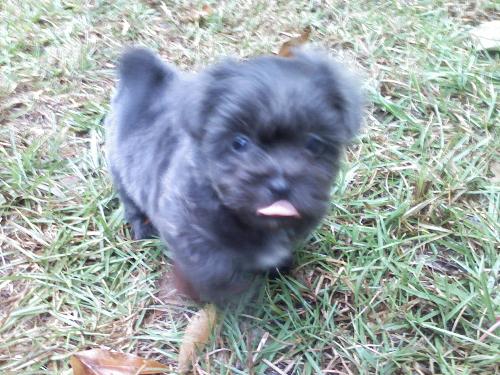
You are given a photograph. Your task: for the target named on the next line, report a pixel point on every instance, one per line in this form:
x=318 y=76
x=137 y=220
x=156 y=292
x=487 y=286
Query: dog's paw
x=143 y=229
x=276 y=272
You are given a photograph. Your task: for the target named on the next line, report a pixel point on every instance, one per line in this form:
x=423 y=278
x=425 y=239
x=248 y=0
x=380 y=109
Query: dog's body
x=232 y=166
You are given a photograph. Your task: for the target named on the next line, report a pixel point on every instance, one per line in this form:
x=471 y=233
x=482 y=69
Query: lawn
x=401 y=278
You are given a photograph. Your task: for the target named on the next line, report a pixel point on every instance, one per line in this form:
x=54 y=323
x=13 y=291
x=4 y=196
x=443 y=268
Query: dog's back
x=138 y=145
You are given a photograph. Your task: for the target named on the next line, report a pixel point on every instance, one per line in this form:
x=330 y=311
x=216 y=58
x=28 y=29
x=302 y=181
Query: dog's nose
x=279 y=186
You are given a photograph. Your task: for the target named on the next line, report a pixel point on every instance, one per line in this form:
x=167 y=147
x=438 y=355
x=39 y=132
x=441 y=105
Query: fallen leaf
x=207 y=10
x=196 y=337
x=487 y=35
x=105 y=362
x=287 y=47
x=198 y=15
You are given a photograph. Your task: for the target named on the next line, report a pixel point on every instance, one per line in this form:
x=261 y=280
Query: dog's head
x=271 y=131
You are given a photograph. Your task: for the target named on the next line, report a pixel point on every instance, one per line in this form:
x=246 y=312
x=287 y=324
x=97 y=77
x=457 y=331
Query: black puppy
x=232 y=166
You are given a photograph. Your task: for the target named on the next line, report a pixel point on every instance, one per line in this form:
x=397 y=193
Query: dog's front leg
x=210 y=273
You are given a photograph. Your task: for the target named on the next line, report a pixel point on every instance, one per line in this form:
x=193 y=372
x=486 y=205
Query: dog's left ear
x=342 y=89
x=207 y=89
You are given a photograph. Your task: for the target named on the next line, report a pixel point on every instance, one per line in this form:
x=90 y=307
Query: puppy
x=231 y=167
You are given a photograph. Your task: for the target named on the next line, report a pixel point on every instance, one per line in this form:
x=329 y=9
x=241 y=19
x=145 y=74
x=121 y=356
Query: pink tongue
x=281 y=208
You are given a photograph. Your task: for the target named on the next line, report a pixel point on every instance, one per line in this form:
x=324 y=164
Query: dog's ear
x=207 y=90
x=140 y=71
x=143 y=78
x=342 y=90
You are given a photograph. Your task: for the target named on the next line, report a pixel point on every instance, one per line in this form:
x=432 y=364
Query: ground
x=401 y=278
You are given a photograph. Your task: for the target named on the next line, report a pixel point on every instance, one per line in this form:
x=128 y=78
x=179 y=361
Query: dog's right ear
x=142 y=77
x=207 y=90
x=141 y=70
x=143 y=80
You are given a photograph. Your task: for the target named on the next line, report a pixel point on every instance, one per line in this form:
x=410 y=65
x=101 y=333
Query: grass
x=401 y=278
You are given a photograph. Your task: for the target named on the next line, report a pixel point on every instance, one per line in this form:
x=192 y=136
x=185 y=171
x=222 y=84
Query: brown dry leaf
x=105 y=362
x=487 y=35
x=198 y=15
x=286 y=48
x=196 y=337
x=207 y=10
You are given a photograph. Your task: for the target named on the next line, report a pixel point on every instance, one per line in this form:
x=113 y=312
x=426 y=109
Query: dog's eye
x=240 y=143
x=315 y=145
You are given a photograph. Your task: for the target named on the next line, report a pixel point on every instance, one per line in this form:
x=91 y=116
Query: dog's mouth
x=281 y=208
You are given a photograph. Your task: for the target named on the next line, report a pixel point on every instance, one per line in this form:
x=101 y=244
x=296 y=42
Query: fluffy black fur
x=193 y=157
